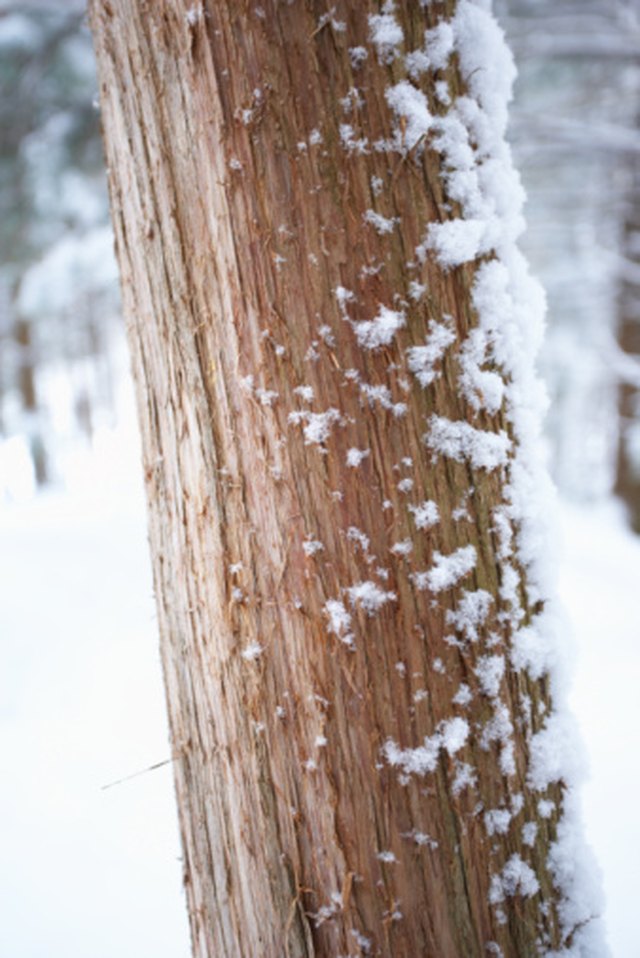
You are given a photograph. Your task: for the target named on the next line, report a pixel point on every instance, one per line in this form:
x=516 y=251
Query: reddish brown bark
x=233 y=231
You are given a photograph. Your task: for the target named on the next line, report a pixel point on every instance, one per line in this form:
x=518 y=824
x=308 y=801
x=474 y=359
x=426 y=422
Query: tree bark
x=26 y=382
x=341 y=755
x=627 y=484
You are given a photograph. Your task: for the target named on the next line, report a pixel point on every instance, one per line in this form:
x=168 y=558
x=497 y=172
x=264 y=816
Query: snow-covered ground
x=86 y=872
x=92 y=873
x=600 y=586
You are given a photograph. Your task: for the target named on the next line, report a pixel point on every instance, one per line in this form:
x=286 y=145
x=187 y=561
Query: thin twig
x=143 y=771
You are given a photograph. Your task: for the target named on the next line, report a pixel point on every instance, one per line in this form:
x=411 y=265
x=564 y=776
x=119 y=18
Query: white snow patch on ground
x=82 y=706
x=599 y=587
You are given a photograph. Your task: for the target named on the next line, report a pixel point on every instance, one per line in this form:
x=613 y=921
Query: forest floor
x=82 y=706
x=600 y=588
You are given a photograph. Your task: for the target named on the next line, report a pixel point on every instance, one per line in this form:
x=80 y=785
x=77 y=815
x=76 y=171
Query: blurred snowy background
x=93 y=873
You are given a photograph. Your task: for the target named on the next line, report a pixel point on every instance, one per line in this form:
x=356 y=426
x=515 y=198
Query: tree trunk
x=334 y=477
x=627 y=483
x=26 y=376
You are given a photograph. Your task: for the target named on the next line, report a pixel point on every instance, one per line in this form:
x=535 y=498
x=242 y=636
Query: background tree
x=575 y=137
x=332 y=334
x=628 y=465
x=58 y=297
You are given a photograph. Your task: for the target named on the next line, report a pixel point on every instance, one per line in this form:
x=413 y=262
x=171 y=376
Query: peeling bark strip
x=332 y=339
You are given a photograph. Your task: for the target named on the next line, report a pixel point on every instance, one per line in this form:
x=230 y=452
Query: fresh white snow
x=379 y=331
x=599 y=586
x=86 y=871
